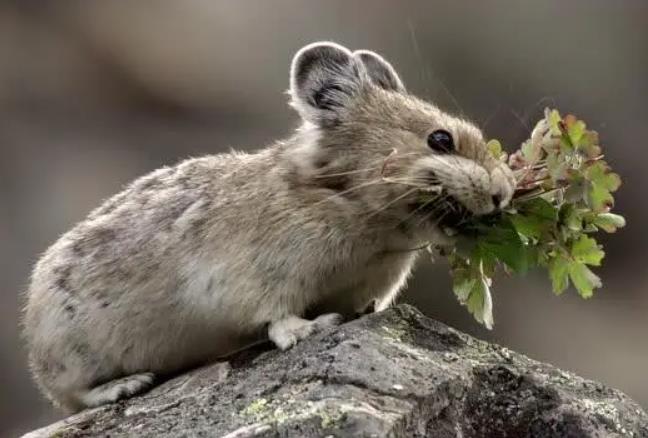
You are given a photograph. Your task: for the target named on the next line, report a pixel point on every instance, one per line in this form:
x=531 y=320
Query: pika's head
x=367 y=140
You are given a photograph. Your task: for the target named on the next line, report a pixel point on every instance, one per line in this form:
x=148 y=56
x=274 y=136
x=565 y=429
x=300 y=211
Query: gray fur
x=380 y=71
x=194 y=261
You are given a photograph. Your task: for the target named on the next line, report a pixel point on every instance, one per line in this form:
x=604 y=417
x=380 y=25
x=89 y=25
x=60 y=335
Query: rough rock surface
x=390 y=374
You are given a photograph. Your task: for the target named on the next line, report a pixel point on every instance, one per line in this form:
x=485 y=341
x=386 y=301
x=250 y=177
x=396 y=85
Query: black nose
x=497 y=200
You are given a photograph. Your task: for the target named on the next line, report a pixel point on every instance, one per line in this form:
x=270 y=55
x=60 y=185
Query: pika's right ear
x=323 y=79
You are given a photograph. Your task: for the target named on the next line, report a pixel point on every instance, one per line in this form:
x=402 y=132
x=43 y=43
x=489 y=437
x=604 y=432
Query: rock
x=389 y=374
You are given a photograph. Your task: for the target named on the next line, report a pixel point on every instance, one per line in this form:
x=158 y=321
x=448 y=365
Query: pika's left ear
x=380 y=71
x=324 y=79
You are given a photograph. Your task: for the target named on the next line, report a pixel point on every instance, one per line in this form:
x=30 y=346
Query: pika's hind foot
x=286 y=332
x=116 y=390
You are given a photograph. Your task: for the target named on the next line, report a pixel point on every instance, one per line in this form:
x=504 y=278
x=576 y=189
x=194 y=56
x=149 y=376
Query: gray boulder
x=391 y=374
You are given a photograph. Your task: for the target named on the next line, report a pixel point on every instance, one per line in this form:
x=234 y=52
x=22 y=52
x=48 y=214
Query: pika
x=192 y=262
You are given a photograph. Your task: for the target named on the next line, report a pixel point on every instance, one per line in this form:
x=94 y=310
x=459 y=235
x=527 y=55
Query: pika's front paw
x=327 y=321
x=286 y=332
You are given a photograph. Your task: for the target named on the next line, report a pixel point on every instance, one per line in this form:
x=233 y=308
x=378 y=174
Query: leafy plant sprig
x=563 y=195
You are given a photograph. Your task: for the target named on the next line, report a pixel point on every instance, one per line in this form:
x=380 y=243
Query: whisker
x=548 y=100
x=431 y=214
x=367 y=169
x=392 y=202
x=520 y=119
x=423 y=184
x=359 y=186
x=490 y=117
x=350 y=172
x=421 y=207
x=428 y=68
x=440 y=207
x=441 y=218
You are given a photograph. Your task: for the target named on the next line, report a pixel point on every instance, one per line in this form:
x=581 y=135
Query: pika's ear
x=380 y=71
x=324 y=77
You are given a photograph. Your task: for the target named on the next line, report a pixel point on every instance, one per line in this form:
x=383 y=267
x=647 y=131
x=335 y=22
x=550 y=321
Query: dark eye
x=441 y=141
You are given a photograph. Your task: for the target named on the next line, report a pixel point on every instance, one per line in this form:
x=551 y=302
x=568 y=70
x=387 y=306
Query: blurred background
x=94 y=94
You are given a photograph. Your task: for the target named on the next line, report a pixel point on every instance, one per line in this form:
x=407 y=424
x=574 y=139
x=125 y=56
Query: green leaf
x=589 y=145
x=575 y=129
x=533 y=217
x=577 y=190
x=584 y=279
x=463 y=283
x=609 y=222
x=558 y=167
x=586 y=250
x=602 y=183
x=554 y=119
x=572 y=217
x=480 y=303
x=531 y=151
x=558 y=274
x=539 y=208
x=495 y=148
x=529 y=227
x=503 y=242
x=471 y=285
x=599 y=198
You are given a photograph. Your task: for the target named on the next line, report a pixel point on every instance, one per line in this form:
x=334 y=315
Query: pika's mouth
x=446 y=212
x=455 y=213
